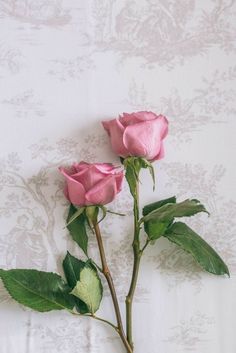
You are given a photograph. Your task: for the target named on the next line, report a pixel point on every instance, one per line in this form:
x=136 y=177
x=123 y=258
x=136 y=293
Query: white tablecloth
x=64 y=66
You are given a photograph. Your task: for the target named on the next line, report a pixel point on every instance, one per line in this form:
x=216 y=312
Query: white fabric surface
x=64 y=66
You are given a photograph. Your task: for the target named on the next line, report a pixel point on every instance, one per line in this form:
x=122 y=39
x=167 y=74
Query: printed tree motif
x=137 y=31
x=41 y=12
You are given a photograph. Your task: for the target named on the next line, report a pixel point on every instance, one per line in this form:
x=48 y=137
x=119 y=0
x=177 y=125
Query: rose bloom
x=92 y=183
x=138 y=134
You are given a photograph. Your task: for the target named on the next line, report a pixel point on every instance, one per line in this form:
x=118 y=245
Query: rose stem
x=109 y=279
x=137 y=257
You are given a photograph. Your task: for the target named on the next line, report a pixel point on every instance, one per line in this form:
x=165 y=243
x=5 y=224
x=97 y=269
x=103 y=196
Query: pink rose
x=138 y=134
x=92 y=183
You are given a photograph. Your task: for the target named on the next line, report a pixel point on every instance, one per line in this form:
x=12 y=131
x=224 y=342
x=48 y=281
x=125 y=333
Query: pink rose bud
x=92 y=183
x=138 y=134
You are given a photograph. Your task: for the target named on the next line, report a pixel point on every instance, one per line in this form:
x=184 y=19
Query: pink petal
x=164 y=125
x=65 y=172
x=119 y=180
x=115 y=130
x=133 y=142
x=74 y=191
x=80 y=166
x=66 y=192
x=89 y=176
x=137 y=117
x=129 y=119
x=103 y=192
x=105 y=168
x=144 y=139
x=145 y=116
x=161 y=153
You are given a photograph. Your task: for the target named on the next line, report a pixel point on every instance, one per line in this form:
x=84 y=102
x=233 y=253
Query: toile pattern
x=64 y=66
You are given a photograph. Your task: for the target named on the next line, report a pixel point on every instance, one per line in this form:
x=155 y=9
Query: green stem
x=107 y=274
x=137 y=253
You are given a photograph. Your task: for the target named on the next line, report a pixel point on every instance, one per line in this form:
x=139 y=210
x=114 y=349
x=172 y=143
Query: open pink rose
x=92 y=183
x=138 y=134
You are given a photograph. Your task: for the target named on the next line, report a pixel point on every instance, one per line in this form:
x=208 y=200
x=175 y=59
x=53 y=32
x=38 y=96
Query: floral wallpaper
x=64 y=66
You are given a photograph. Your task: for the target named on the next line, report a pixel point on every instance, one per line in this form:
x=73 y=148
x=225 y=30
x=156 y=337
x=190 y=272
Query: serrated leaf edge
x=31 y=291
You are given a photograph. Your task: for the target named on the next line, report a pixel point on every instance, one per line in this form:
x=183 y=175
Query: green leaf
x=180 y=234
x=72 y=268
x=41 y=291
x=77 y=229
x=155 y=205
x=155 y=229
x=89 y=289
x=159 y=215
x=169 y=211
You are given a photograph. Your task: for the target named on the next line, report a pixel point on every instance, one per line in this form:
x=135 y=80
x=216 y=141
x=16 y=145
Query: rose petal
x=161 y=153
x=119 y=180
x=105 y=168
x=128 y=119
x=81 y=166
x=145 y=116
x=138 y=117
x=66 y=192
x=89 y=176
x=74 y=191
x=133 y=142
x=164 y=123
x=115 y=130
x=144 y=139
x=103 y=192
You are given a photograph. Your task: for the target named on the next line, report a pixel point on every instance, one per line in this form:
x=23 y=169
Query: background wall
x=64 y=66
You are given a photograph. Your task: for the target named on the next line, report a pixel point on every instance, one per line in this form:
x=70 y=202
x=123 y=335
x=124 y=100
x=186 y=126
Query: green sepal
x=92 y=213
x=77 y=229
x=122 y=160
x=146 y=164
x=75 y=215
x=133 y=165
x=132 y=169
x=116 y=213
x=104 y=213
